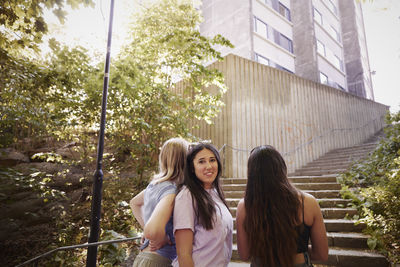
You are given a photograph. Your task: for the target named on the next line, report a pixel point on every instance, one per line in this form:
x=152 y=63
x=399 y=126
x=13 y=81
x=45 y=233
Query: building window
x=317 y=16
x=262 y=60
x=279 y=67
x=323 y=78
x=284 y=11
x=285 y=42
x=279 y=7
x=338 y=63
x=268 y=2
x=260 y=27
x=321 y=48
x=335 y=34
x=332 y=7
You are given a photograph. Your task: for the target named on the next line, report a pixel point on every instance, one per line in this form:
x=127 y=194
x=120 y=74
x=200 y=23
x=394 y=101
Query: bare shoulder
x=240 y=207
x=309 y=200
x=311 y=208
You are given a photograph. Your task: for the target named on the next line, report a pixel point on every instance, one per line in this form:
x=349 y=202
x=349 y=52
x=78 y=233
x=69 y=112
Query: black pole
x=98 y=175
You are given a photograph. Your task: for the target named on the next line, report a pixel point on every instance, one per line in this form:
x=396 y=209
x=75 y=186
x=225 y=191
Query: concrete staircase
x=347 y=244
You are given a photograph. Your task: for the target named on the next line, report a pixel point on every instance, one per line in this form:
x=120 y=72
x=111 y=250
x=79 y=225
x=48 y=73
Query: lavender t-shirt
x=210 y=247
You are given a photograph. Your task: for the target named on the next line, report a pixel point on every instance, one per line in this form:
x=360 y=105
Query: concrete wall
x=300 y=118
x=355 y=50
x=231 y=19
x=304 y=44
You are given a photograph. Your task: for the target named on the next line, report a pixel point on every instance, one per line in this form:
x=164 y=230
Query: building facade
x=320 y=40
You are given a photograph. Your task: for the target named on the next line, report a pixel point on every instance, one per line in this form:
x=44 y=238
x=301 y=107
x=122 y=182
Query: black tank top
x=303 y=231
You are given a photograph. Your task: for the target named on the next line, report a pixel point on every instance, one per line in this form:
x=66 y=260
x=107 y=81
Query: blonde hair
x=172 y=161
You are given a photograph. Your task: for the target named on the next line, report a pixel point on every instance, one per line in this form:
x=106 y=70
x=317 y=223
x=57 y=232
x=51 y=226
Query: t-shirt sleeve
x=184 y=215
x=166 y=189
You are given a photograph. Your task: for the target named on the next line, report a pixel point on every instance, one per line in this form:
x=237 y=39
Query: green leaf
x=372 y=242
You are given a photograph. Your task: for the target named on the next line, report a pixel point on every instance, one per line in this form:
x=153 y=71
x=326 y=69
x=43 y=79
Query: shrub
x=374 y=187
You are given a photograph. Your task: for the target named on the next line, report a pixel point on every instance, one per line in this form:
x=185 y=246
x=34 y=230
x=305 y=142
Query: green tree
x=147 y=105
x=23 y=25
x=40 y=98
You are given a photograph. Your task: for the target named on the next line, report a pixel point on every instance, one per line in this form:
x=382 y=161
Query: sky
x=89 y=28
x=382 y=29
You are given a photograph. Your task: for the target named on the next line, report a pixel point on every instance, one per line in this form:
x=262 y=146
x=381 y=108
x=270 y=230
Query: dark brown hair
x=203 y=204
x=272 y=206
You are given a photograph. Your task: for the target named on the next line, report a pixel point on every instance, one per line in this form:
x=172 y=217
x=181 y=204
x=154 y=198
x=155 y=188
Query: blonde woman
x=153 y=206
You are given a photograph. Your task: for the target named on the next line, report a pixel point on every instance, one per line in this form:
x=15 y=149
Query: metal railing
x=324 y=134
x=35 y=261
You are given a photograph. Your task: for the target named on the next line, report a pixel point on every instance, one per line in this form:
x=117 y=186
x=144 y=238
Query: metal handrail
x=36 y=259
x=315 y=138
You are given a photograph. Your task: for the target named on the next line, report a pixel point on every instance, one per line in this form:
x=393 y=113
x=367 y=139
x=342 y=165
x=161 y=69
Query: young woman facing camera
x=153 y=206
x=275 y=220
x=202 y=222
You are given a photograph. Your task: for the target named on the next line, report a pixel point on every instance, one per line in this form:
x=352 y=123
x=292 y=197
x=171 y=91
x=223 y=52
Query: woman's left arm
x=155 y=226
x=319 y=241
x=242 y=242
x=136 y=204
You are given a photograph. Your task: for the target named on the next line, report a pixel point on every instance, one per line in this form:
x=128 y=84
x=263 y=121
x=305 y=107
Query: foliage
x=374 y=187
x=61 y=96
x=73 y=223
x=23 y=25
x=158 y=84
x=42 y=98
x=147 y=106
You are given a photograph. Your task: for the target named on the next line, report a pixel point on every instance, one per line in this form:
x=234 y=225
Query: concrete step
x=234 y=181
x=342 y=257
x=324 y=193
x=336 y=226
x=338 y=213
x=349 y=152
x=333 y=202
x=323 y=202
x=328 y=213
x=323 y=167
x=342 y=225
x=339 y=158
x=362 y=147
x=352 y=257
x=347 y=240
x=342 y=240
x=232 y=202
x=336 y=165
x=234 y=187
x=317 y=186
x=234 y=194
x=294 y=179
x=313 y=179
x=315 y=193
x=319 y=172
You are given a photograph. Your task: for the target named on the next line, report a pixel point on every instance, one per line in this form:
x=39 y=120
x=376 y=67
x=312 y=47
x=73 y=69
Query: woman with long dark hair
x=202 y=222
x=275 y=220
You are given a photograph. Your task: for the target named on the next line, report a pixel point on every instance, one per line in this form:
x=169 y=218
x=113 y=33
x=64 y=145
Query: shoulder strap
x=302 y=203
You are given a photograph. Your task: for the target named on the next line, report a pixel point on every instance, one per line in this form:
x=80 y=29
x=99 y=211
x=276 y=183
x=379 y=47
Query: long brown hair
x=203 y=204
x=272 y=206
